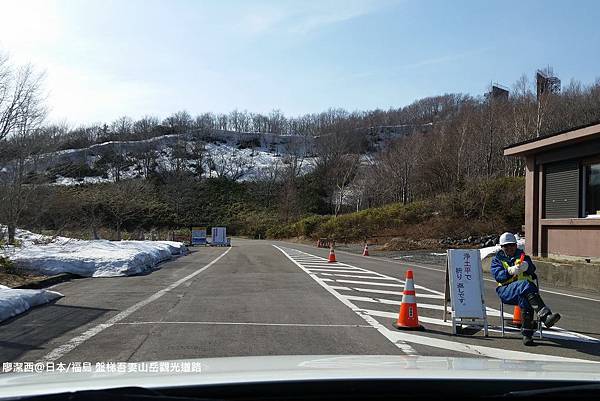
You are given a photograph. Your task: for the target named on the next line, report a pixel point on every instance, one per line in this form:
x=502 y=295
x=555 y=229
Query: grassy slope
x=491 y=206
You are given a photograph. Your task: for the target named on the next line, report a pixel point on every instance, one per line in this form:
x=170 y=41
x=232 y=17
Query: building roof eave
x=570 y=137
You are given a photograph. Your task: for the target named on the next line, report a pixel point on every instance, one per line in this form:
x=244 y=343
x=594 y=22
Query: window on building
x=592 y=189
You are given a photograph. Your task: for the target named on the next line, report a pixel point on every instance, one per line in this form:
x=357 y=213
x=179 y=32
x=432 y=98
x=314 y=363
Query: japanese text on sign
x=465 y=282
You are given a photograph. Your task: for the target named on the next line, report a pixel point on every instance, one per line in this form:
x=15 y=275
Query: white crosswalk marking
x=370 y=283
x=399 y=293
x=390 y=302
x=422 y=319
x=331 y=270
x=340 y=288
x=354 y=276
x=335 y=278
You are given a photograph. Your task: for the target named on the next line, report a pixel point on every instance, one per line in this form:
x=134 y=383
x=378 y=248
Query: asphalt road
x=273 y=298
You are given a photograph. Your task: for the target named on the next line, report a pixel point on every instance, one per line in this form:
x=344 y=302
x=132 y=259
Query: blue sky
x=105 y=59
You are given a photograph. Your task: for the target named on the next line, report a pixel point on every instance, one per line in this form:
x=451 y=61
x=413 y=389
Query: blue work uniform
x=513 y=290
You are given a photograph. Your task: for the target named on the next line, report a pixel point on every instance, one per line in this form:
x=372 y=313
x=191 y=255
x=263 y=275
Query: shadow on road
x=30 y=330
x=583 y=347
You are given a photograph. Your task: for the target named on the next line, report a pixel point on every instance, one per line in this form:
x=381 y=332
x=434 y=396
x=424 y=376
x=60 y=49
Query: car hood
x=236 y=370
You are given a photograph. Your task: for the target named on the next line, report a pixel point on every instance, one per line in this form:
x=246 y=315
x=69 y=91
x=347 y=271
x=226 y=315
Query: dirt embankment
x=14 y=279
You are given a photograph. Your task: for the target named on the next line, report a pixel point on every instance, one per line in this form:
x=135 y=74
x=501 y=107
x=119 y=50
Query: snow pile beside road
x=16 y=301
x=99 y=258
x=491 y=250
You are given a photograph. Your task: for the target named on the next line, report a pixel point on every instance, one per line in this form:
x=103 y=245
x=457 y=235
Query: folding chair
x=539 y=322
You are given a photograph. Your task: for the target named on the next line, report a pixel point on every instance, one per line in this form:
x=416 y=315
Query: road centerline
x=91 y=332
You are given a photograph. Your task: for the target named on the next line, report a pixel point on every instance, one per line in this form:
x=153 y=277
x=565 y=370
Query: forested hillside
x=430 y=169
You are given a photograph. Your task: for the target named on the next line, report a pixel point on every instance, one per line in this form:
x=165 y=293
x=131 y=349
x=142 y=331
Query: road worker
x=515 y=274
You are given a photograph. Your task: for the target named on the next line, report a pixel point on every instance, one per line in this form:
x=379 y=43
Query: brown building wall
x=571 y=237
x=531 y=207
x=568 y=237
x=576 y=241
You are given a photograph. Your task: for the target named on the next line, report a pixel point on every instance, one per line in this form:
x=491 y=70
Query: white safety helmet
x=507 y=238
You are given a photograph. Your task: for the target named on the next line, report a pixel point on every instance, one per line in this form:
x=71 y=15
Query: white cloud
x=259 y=21
x=303 y=17
x=332 y=12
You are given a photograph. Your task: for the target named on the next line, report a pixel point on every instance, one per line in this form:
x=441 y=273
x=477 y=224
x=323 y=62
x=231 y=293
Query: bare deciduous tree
x=21 y=141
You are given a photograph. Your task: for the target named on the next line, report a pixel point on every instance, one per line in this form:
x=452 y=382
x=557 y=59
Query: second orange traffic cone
x=408 y=318
x=366 y=250
x=331 y=255
x=517 y=319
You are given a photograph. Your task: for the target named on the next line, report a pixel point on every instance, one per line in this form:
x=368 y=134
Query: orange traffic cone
x=366 y=250
x=517 y=319
x=408 y=318
x=331 y=255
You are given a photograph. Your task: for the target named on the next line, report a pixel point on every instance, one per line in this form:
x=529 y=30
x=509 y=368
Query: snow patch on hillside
x=217 y=160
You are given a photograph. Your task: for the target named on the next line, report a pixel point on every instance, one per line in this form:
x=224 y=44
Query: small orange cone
x=517 y=319
x=331 y=255
x=366 y=250
x=408 y=318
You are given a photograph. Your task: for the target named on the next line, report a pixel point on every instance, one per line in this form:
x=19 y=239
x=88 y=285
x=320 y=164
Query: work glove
x=513 y=270
x=523 y=266
x=520 y=268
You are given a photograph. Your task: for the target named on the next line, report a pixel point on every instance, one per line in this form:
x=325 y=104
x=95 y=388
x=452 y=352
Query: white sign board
x=219 y=236
x=465 y=284
x=198 y=235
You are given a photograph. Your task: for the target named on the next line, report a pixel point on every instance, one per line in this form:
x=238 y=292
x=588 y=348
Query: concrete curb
x=48 y=281
x=569 y=275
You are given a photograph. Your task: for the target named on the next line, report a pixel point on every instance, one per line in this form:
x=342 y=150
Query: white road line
x=366 y=299
x=402 y=345
x=391 y=302
x=340 y=288
x=321 y=263
x=387 y=260
x=362 y=270
x=556 y=332
x=399 y=337
x=334 y=267
x=330 y=266
x=479 y=350
x=494 y=329
x=419 y=295
x=370 y=283
x=568 y=295
x=316 y=262
x=338 y=270
x=325 y=265
x=331 y=270
x=86 y=335
x=249 y=324
x=392 y=315
x=353 y=276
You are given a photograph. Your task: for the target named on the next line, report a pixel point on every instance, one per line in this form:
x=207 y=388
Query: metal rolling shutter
x=561 y=194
